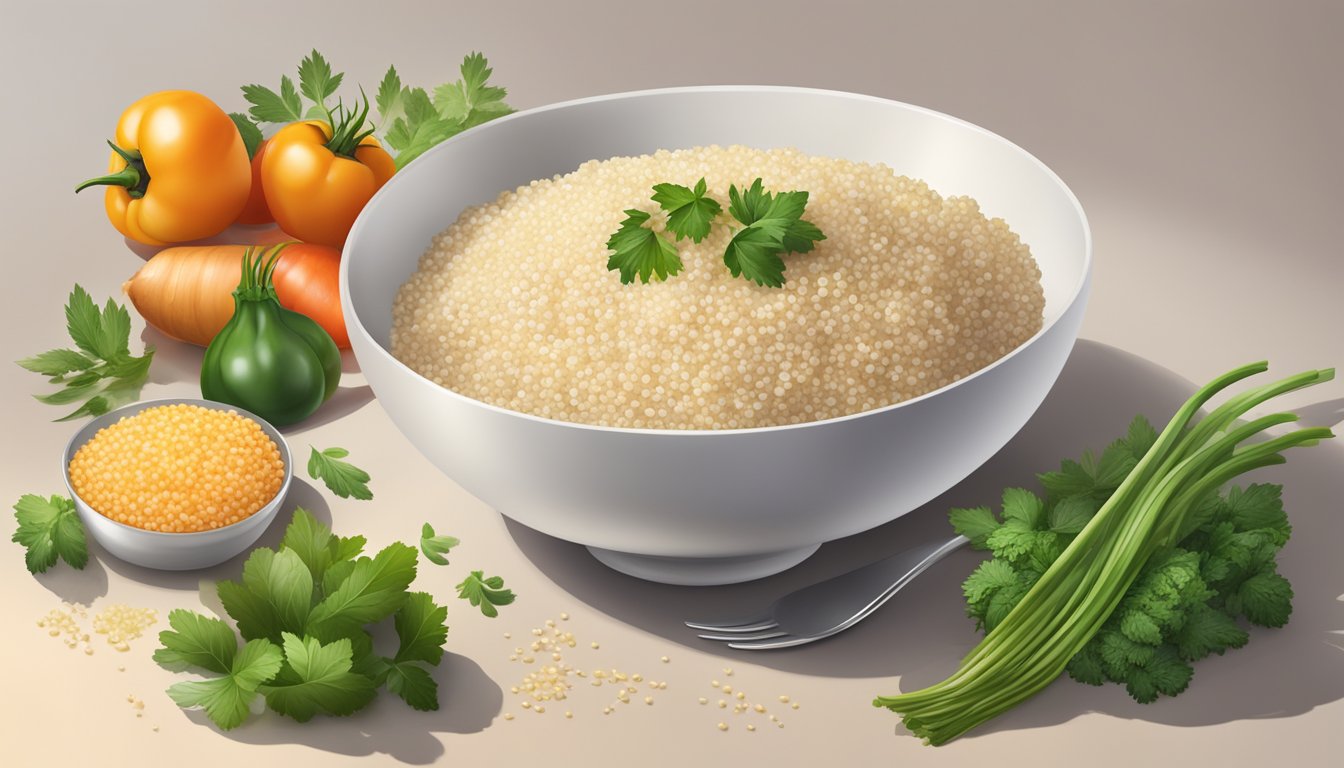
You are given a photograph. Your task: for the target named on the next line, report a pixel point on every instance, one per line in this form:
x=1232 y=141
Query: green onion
x=1151 y=509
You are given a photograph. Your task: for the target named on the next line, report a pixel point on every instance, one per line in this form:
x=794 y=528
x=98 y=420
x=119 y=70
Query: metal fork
x=831 y=606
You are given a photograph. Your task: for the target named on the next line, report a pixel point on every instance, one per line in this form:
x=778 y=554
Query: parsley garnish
x=435 y=547
x=637 y=250
x=305 y=611
x=689 y=211
x=50 y=528
x=341 y=477
x=101 y=372
x=485 y=592
x=773 y=225
x=1186 y=601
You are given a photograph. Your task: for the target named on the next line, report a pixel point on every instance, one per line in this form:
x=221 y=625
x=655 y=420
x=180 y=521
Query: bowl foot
x=702 y=571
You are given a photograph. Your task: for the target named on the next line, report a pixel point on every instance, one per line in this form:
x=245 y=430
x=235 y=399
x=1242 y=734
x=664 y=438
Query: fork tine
x=744 y=636
x=765 y=621
x=782 y=640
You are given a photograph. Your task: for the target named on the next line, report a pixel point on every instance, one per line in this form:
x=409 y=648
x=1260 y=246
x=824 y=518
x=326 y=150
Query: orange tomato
x=256 y=211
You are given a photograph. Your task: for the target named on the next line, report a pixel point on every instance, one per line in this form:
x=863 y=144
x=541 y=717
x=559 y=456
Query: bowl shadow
x=922 y=633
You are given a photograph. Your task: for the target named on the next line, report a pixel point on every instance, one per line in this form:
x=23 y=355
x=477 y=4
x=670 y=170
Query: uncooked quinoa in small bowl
x=177 y=484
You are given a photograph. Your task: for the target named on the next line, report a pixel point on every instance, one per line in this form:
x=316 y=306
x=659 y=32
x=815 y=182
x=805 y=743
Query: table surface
x=1201 y=137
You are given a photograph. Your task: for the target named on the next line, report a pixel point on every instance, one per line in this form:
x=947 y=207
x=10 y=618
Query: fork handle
x=872 y=585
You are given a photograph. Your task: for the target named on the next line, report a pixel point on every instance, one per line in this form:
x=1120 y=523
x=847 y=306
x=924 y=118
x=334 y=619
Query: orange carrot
x=187 y=292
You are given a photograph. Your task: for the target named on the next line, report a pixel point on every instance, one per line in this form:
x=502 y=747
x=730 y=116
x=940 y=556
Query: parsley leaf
x=209 y=644
x=374 y=590
x=414 y=685
x=485 y=592
x=639 y=251
x=315 y=545
x=315 y=678
x=435 y=547
x=689 y=211
x=341 y=477
x=421 y=629
x=774 y=226
x=270 y=107
x=975 y=524
x=389 y=97
x=753 y=253
x=1266 y=599
x=249 y=131
x=106 y=374
x=316 y=80
x=50 y=528
x=470 y=101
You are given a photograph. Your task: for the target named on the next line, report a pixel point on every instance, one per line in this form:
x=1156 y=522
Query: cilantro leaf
x=341 y=477
x=988 y=577
x=485 y=592
x=1140 y=437
x=751 y=205
x=435 y=547
x=315 y=544
x=106 y=374
x=1070 y=515
x=389 y=97
x=975 y=524
x=753 y=253
x=414 y=685
x=1208 y=630
x=689 y=211
x=196 y=641
x=270 y=107
x=1086 y=666
x=637 y=250
x=48 y=529
x=1259 y=506
x=1266 y=599
x=374 y=590
x=1024 y=508
x=249 y=131
x=421 y=628
x=315 y=678
x=316 y=79
x=471 y=101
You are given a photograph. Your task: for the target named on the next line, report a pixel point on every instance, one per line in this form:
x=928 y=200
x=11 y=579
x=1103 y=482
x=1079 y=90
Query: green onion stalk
x=1152 y=508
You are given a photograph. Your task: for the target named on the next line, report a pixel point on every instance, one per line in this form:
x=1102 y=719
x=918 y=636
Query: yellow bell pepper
x=179 y=170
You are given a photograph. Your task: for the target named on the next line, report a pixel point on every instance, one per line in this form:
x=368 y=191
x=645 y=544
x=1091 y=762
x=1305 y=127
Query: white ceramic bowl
x=174 y=551
x=706 y=507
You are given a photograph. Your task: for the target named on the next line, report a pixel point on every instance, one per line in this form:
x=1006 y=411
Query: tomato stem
x=134 y=177
x=346 y=125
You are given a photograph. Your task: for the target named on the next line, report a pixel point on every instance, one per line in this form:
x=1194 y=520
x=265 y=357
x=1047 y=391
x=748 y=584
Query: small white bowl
x=698 y=506
x=174 y=551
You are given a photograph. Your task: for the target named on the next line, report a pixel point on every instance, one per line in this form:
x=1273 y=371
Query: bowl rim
x=1079 y=291
x=199 y=537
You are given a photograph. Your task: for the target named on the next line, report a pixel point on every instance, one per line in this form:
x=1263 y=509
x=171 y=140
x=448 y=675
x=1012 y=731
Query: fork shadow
x=922 y=633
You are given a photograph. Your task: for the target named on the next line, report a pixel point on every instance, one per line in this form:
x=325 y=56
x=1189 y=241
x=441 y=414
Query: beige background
x=1203 y=140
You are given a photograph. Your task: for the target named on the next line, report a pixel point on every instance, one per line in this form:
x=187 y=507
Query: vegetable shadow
x=175 y=361
x=344 y=402
x=387 y=726
x=81 y=587
x=921 y=634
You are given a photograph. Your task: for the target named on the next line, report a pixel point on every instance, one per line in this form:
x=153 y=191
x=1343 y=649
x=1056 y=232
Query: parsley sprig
x=50 y=528
x=485 y=592
x=341 y=477
x=410 y=119
x=772 y=226
x=304 y=612
x=101 y=371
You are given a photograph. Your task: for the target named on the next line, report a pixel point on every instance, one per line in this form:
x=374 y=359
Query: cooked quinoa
x=513 y=304
x=178 y=468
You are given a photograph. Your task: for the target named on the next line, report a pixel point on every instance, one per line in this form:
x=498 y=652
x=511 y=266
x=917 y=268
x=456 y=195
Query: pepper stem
x=134 y=177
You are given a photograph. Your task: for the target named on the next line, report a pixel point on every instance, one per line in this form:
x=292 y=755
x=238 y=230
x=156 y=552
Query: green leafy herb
x=487 y=593
x=305 y=612
x=773 y=226
x=639 y=251
x=1130 y=568
x=247 y=129
x=341 y=477
x=410 y=120
x=50 y=528
x=101 y=373
x=435 y=547
x=689 y=211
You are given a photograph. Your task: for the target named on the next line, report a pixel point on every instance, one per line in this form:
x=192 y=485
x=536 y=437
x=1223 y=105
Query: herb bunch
x=100 y=373
x=410 y=119
x=304 y=612
x=772 y=225
x=1186 y=602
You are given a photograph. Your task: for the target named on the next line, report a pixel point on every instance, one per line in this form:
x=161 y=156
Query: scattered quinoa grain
x=513 y=304
x=564 y=616
x=178 y=469
x=750 y=727
x=783 y=699
x=723 y=726
x=794 y=705
x=665 y=659
x=508 y=715
x=703 y=700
